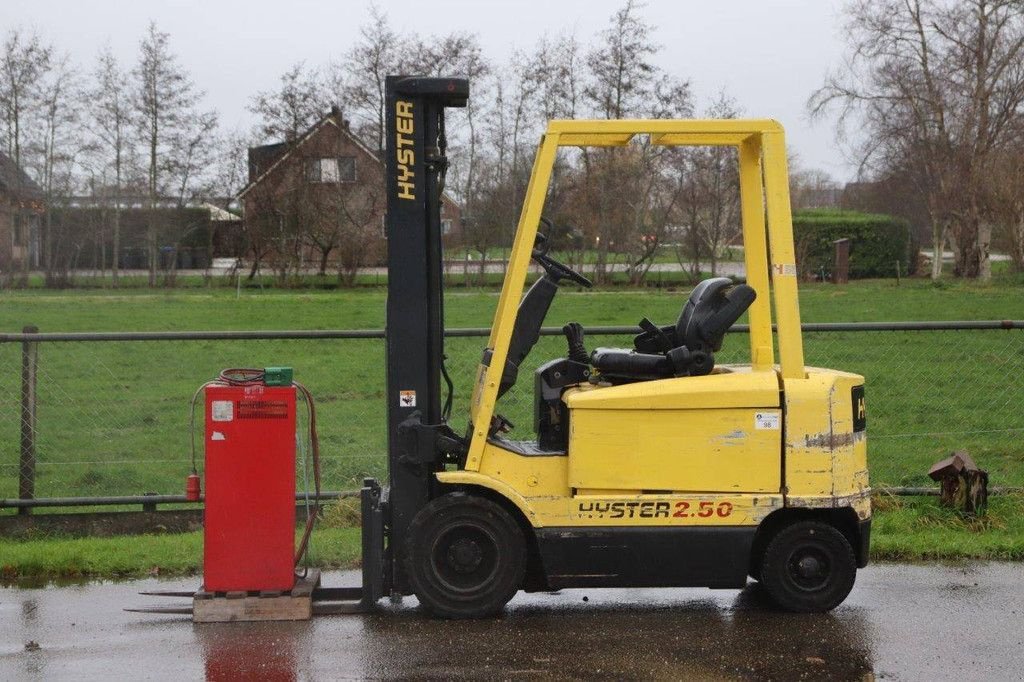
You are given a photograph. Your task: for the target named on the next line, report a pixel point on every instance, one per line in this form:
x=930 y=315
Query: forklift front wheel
x=466 y=556
x=808 y=567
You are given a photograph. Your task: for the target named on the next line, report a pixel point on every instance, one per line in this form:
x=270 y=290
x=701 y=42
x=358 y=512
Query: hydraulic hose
x=314 y=441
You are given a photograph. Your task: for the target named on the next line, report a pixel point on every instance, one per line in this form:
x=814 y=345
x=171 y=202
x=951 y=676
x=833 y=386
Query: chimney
x=342 y=121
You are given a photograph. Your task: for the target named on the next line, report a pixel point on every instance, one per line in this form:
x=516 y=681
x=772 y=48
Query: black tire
x=808 y=567
x=465 y=557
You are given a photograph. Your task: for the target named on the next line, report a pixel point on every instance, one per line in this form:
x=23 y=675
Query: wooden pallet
x=226 y=607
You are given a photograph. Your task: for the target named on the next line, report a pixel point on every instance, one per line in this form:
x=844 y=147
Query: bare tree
x=621 y=70
x=193 y=150
x=287 y=113
x=357 y=209
x=54 y=158
x=492 y=199
x=1005 y=199
x=300 y=101
x=459 y=54
x=165 y=95
x=360 y=75
x=110 y=110
x=556 y=71
x=621 y=78
x=936 y=83
x=26 y=61
x=810 y=187
x=709 y=201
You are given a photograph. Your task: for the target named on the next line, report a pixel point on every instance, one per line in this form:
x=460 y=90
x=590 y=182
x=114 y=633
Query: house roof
x=264 y=153
x=219 y=214
x=15 y=182
x=332 y=118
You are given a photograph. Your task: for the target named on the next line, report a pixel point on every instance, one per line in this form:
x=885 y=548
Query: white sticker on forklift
x=222 y=410
x=766 y=420
x=407 y=398
x=784 y=268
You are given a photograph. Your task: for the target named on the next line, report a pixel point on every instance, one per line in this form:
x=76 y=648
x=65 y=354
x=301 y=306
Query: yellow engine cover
x=716 y=433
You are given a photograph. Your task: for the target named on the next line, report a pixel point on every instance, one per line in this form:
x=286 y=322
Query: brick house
x=21 y=205
x=319 y=200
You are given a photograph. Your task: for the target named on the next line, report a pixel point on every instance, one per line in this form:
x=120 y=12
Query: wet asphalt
x=902 y=622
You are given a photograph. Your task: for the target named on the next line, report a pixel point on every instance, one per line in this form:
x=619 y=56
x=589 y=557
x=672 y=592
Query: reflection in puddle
x=250 y=651
x=662 y=639
x=654 y=634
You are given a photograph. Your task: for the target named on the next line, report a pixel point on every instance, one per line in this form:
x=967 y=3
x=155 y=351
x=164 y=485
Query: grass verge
x=917 y=528
x=904 y=529
x=31 y=560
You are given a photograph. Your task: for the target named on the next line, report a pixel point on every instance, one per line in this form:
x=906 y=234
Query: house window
x=19 y=230
x=446 y=226
x=334 y=169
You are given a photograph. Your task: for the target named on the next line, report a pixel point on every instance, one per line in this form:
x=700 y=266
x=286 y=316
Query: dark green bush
x=876 y=242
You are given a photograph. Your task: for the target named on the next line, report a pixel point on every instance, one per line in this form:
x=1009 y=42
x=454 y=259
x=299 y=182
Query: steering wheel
x=562 y=271
x=553 y=268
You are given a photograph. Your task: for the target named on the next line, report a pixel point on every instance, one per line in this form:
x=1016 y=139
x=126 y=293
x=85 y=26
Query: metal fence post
x=27 y=460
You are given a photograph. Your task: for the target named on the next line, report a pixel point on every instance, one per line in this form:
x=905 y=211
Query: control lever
x=574 y=336
x=656 y=334
x=501 y=425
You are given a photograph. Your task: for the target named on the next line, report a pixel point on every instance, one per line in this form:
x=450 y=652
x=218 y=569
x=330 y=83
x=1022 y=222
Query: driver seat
x=688 y=347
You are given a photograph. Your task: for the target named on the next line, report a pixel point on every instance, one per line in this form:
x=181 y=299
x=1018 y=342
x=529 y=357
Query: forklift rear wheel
x=808 y=567
x=466 y=556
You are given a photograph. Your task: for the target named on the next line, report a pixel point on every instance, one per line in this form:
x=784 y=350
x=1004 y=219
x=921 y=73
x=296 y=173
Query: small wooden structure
x=225 y=607
x=841 y=266
x=964 y=485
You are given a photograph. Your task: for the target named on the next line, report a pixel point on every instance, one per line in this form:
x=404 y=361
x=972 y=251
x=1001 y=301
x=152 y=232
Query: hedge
x=877 y=242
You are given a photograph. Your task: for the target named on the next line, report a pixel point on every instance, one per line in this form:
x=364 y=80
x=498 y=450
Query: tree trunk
x=324 y=254
x=151 y=226
x=255 y=265
x=601 y=264
x=1017 y=244
x=26 y=254
x=115 y=263
x=938 y=237
x=982 y=249
x=151 y=251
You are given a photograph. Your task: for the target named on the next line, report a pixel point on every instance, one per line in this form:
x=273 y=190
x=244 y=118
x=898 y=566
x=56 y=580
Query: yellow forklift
x=652 y=465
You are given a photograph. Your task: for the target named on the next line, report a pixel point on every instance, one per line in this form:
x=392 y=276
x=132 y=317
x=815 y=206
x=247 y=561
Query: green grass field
x=113 y=417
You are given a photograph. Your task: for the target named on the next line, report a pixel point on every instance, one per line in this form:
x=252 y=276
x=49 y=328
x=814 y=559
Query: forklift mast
x=415 y=164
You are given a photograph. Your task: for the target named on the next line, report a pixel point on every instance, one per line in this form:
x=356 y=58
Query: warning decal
x=407 y=398
x=222 y=410
x=784 y=269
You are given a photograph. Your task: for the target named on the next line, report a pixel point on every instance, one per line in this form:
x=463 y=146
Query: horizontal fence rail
x=151 y=500
x=479 y=331
x=98 y=418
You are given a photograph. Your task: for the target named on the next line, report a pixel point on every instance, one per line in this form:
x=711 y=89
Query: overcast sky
x=768 y=54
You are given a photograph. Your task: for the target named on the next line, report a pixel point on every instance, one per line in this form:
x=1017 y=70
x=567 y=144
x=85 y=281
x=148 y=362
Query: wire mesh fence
x=111 y=416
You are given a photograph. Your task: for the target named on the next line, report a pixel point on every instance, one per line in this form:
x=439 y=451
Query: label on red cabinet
x=222 y=410
x=262 y=409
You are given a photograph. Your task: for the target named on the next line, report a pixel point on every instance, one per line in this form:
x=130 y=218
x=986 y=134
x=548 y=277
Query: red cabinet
x=249 y=525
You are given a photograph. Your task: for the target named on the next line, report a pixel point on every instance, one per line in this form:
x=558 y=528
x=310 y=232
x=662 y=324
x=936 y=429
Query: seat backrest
x=714 y=305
